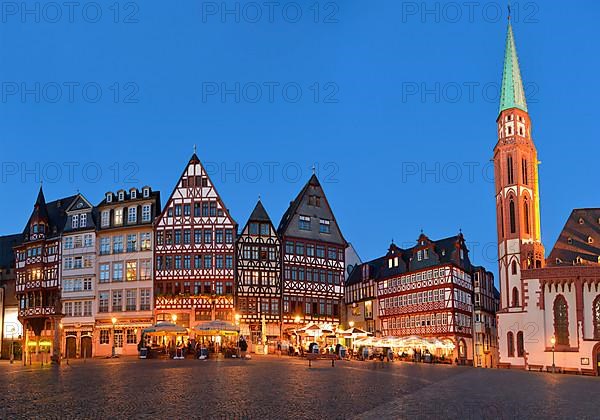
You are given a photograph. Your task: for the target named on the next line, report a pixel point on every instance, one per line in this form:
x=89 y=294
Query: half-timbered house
x=313 y=249
x=194 y=254
x=426 y=292
x=258 y=292
x=38 y=261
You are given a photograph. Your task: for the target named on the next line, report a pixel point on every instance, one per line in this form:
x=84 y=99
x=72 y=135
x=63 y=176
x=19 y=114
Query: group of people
x=199 y=349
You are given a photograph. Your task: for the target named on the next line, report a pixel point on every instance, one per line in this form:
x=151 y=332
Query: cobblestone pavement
x=271 y=387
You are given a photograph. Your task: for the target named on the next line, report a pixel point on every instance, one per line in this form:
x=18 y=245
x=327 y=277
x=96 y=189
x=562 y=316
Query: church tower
x=516 y=182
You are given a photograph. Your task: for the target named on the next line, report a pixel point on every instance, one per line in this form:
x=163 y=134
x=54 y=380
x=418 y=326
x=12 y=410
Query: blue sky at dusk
x=394 y=104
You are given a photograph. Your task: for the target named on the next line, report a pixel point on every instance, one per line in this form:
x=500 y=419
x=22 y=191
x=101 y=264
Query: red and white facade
x=194 y=253
x=313 y=252
x=38 y=261
x=427 y=292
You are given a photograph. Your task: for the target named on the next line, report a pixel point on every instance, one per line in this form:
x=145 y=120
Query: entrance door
x=86 y=346
x=71 y=349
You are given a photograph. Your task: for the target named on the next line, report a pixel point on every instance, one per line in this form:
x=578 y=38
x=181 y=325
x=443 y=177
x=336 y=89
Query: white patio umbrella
x=165 y=328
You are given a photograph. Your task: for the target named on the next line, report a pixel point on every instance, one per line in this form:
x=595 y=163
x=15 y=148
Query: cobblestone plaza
x=271 y=387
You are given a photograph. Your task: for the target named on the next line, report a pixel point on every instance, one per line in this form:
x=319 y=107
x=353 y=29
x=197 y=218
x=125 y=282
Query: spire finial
x=314 y=169
x=509 y=11
x=194 y=149
x=258 y=197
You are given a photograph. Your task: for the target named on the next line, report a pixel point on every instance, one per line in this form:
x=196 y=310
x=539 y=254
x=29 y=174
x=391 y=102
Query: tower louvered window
x=511 y=177
x=513 y=220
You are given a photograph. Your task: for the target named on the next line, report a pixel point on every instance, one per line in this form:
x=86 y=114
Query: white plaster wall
x=588 y=311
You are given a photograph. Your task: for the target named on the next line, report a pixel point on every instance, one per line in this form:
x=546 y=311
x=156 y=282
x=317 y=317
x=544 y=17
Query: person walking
x=243 y=347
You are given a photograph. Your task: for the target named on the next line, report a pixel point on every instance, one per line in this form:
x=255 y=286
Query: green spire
x=513 y=94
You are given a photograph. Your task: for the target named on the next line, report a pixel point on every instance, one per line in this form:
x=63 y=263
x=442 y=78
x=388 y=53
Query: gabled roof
x=446 y=252
x=7 y=255
x=288 y=225
x=259 y=214
x=194 y=160
x=580 y=238
x=79 y=203
x=513 y=93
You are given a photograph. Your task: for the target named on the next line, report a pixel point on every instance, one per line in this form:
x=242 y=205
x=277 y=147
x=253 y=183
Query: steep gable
x=195 y=187
x=309 y=216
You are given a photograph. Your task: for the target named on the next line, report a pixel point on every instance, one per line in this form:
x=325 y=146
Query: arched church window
x=520 y=344
x=510 y=341
x=561 y=321
x=515 y=297
x=514 y=268
x=596 y=316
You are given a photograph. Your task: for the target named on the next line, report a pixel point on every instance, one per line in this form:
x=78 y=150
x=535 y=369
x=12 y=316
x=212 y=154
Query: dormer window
x=133 y=194
x=420 y=255
x=570 y=241
x=304 y=223
x=121 y=195
x=109 y=197
x=590 y=240
x=146 y=192
x=579 y=260
x=558 y=261
x=425 y=254
x=581 y=221
x=324 y=226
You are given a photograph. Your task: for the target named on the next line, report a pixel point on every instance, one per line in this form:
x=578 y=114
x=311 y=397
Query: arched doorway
x=462 y=351
x=71 y=348
x=596 y=358
x=86 y=346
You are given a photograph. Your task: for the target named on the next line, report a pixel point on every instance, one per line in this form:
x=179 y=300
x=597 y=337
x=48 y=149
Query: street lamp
x=174 y=318
x=114 y=321
x=553 y=342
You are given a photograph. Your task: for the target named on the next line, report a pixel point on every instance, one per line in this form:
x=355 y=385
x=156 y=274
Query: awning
x=165 y=328
x=216 y=327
